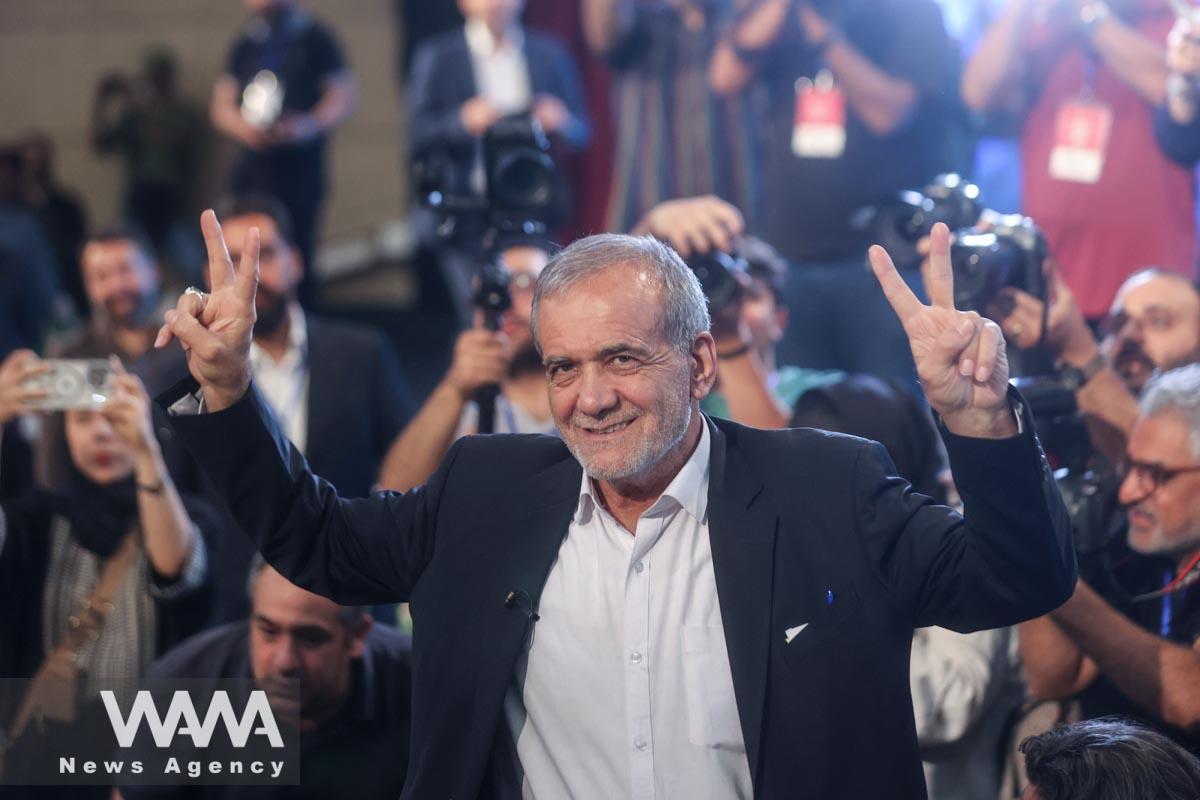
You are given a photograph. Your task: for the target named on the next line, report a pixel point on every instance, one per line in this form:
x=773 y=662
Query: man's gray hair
x=351 y=617
x=685 y=310
x=1177 y=390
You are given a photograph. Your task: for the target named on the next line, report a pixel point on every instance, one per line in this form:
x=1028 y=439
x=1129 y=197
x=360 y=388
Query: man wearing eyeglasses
x=1135 y=651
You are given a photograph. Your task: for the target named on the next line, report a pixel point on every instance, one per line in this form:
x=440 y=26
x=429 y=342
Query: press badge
x=1081 y=132
x=819 y=129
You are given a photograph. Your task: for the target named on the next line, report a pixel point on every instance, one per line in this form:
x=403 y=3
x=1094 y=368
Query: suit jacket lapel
x=523 y=562
x=464 y=70
x=741 y=530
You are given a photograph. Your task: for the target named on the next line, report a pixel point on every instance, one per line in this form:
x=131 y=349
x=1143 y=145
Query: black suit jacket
x=358 y=402
x=793 y=516
x=442 y=80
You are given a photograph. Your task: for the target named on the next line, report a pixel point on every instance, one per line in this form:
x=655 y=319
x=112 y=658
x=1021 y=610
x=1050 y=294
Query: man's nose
x=285 y=658
x=1133 y=489
x=597 y=395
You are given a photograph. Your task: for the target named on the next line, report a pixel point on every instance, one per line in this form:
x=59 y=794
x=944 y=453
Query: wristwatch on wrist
x=1091 y=14
x=1075 y=378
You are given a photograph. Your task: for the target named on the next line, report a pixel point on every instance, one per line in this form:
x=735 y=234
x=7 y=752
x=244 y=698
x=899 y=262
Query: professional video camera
x=1007 y=251
x=522 y=190
x=522 y=195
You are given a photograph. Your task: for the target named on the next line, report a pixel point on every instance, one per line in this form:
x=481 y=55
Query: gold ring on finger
x=1017 y=329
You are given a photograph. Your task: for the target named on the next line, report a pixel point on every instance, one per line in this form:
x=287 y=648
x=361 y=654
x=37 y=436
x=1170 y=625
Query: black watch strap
x=1075 y=378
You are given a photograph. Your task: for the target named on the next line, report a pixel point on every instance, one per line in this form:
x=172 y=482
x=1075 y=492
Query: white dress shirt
x=625 y=689
x=284 y=383
x=501 y=72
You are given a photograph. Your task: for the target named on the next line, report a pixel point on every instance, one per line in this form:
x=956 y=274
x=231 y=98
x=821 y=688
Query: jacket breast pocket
x=708 y=685
x=818 y=627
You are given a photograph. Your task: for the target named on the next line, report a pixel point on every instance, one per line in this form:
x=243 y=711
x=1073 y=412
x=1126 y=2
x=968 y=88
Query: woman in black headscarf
x=100 y=575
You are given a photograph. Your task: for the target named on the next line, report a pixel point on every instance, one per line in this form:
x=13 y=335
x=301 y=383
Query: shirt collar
x=483 y=44
x=297 y=339
x=687 y=490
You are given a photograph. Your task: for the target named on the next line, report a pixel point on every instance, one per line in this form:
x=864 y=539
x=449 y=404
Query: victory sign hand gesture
x=215 y=329
x=959 y=355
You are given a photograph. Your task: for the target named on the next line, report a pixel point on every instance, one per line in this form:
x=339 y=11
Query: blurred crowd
x=769 y=142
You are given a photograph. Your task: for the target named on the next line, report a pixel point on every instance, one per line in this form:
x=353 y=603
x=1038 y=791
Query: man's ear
x=704 y=365
x=297 y=262
x=783 y=315
x=358 y=639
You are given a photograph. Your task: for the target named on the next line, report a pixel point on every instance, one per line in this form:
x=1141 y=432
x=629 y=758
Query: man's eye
x=1159 y=321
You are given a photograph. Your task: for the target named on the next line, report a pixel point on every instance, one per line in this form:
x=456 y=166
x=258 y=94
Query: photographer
x=1177 y=121
x=104 y=571
x=466 y=80
x=1129 y=645
x=1083 y=78
x=1154 y=324
x=482 y=357
x=156 y=133
x=751 y=388
x=859 y=105
x=675 y=134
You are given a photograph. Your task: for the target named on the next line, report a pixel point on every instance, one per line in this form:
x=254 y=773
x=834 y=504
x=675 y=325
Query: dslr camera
x=718 y=275
x=1009 y=253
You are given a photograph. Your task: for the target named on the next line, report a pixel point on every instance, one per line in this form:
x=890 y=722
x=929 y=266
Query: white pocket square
x=792 y=633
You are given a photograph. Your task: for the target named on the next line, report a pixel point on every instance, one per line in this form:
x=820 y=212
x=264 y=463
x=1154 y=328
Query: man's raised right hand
x=215 y=330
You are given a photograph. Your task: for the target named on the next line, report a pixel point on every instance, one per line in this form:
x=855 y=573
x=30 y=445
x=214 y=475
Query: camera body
x=522 y=190
x=898 y=224
x=1011 y=253
x=718 y=276
x=1086 y=480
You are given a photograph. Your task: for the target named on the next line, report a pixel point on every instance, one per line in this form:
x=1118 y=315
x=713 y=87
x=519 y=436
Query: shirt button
x=635 y=657
x=638 y=566
x=639 y=744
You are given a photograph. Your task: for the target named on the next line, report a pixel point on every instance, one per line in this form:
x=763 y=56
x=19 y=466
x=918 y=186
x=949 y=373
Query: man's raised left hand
x=959 y=355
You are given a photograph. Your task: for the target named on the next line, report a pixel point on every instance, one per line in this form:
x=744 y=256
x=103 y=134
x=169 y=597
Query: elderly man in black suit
x=658 y=604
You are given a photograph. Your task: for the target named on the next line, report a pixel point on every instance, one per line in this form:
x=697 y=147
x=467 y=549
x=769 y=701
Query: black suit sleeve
x=1181 y=143
x=1009 y=558
x=356 y=552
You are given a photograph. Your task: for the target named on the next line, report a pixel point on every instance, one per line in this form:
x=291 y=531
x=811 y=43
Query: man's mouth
x=608 y=430
x=1140 y=519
